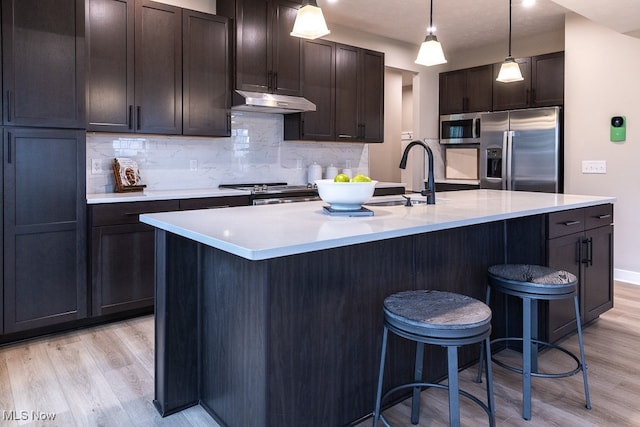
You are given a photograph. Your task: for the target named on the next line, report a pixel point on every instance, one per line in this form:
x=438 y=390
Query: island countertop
x=270 y=231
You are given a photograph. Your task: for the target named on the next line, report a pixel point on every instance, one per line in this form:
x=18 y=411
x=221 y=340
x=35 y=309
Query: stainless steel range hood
x=270 y=103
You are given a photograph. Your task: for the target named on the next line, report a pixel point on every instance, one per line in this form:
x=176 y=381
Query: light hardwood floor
x=103 y=376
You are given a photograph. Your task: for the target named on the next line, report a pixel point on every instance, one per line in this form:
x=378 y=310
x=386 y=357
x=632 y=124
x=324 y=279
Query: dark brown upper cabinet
x=134 y=76
x=543 y=83
x=158 y=68
x=467 y=90
x=267 y=57
x=43 y=63
x=359 y=94
x=318 y=86
x=347 y=85
x=206 y=75
x=110 y=78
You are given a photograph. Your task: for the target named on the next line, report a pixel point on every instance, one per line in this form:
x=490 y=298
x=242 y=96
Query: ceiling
x=465 y=24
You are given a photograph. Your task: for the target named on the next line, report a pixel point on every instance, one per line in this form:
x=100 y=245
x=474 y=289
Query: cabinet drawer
x=214 y=202
x=565 y=222
x=598 y=216
x=128 y=212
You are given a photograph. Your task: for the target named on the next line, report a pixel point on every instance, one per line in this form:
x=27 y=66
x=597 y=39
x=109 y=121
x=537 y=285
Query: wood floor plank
x=94 y=403
x=34 y=384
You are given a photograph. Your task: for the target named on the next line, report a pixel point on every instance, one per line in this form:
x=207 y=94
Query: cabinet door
x=122 y=260
x=371 y=107
x=346 y=93
x=206 y=74
x=158 y=68
x=563 y=253
x=597 y=282
x=44 y=228
x=479 y=93
x=318 y=86
x=43 y=63
x=110 y=65
x=547 y=80
x=507 y=96
x=285 y=53
x=253 y=51
x=452 y=91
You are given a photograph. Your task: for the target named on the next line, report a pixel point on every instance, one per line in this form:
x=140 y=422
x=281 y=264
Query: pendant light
x=430 y=52
x=510 y=70
x=309 y=22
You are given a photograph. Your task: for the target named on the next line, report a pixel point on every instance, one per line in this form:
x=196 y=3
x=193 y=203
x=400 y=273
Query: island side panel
x=176 y=327
x=233 y=304
x=326 y=318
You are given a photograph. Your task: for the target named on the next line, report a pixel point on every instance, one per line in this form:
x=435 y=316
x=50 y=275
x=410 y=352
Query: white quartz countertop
x=270 y=231
x=151 y=195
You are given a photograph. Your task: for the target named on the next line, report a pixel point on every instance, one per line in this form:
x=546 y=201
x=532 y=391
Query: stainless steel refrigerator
x=522 y=150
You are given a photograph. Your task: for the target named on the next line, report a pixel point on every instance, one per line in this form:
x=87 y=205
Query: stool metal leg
x=454 y=388
x=417 y=377
x=483 y=344
x=526 y=358
x=490 y=401
x=582 y=358
x=383 y=352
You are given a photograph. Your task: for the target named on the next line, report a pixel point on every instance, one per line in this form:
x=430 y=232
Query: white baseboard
x=626 y=276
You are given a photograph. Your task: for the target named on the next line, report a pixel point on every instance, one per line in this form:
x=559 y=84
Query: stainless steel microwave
x=461 y=128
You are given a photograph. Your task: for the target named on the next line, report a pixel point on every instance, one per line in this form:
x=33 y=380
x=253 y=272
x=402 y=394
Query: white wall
x=385 y=158
x=602 y=80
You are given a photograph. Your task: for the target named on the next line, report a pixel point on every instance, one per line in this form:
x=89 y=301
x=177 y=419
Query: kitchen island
x=272 y=315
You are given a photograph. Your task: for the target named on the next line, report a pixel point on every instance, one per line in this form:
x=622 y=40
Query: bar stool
x=439 y=318
x=532 y=283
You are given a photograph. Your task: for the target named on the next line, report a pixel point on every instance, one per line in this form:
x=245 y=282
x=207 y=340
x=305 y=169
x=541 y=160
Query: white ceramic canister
x=332 y=171
x=348 y=172
x=314 y=173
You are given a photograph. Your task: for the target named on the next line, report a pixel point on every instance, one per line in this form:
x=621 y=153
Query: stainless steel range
x=277 y=192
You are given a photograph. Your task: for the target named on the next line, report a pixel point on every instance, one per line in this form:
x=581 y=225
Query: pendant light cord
x=431 y=18
x=509 y=28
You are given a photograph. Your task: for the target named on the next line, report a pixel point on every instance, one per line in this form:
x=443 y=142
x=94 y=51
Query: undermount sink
x=401 y=202
x=395 y=202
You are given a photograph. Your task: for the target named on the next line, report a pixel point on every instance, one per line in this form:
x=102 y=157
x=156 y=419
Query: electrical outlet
x=96 y=166
x=193 y=165
x=594 y=166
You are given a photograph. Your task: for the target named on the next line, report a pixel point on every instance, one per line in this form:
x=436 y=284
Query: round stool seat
x=532 y=279
x=437 y=314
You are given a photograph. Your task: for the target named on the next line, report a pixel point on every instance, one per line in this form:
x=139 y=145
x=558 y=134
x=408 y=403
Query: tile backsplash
x=255 y=152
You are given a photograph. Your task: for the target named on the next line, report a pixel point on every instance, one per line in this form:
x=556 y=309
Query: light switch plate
x=594 y=166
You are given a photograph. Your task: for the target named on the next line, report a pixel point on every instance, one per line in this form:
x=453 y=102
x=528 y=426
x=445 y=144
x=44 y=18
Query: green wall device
x=618 y=128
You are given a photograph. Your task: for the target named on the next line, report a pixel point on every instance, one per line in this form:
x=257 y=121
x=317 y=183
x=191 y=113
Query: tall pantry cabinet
x=43 y=164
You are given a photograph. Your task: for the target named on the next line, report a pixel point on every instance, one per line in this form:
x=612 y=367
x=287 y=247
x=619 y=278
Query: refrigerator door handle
x=508 y=135
x=505 y=160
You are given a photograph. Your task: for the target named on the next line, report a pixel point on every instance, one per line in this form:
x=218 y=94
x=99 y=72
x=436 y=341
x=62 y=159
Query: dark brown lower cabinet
x=122 y=251
x=44 y=269
x=122 y=256
x=587 y=252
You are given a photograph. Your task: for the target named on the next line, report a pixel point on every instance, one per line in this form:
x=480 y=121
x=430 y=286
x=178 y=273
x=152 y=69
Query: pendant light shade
x=509 y=70
x=310 y=23
x=430 y=52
